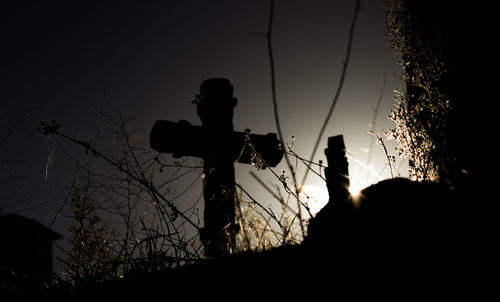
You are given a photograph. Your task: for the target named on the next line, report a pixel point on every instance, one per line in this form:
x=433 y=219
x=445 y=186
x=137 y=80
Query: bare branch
x=339 y=87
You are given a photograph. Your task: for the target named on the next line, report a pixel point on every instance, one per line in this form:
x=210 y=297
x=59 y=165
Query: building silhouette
x=25 y=255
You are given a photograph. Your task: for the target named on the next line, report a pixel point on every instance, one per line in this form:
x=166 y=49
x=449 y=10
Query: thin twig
x=374 y=120
x=121 y=168
x=339 y=88
x=275 y=107
x=257 y=203
x=381 y=142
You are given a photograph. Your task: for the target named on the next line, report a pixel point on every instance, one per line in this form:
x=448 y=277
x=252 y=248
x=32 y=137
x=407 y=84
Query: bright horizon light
x=356 y=187
x=315 y=197
x=315 y=194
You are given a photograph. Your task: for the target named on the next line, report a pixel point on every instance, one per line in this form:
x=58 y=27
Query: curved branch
x=339 y=88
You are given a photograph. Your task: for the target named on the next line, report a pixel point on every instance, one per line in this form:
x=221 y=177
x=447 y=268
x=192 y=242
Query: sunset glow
x=315 y=197
x=356 y=187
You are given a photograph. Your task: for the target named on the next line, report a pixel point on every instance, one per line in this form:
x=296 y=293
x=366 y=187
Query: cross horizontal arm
x=184 y=139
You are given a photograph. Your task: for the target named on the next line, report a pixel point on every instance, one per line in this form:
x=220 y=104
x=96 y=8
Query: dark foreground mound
x=397 y=237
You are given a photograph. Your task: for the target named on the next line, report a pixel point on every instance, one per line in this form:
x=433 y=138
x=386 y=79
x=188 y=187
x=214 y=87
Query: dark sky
x=57 y=58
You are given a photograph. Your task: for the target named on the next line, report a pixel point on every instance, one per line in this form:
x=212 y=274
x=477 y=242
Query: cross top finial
x=215 y=103
x=217 y=88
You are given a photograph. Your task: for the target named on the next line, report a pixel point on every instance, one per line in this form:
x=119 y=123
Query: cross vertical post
x=215 y=109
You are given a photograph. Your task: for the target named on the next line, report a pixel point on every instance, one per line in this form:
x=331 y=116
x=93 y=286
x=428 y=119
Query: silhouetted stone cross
x=219 y=147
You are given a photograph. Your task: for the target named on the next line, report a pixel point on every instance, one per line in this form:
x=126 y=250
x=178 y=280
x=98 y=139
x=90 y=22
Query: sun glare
x=315 y=197
x=355 y=188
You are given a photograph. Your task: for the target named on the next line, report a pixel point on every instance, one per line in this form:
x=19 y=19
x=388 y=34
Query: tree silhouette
x=440 y=46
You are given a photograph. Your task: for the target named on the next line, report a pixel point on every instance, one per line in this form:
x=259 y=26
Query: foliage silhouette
x=440 y=47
